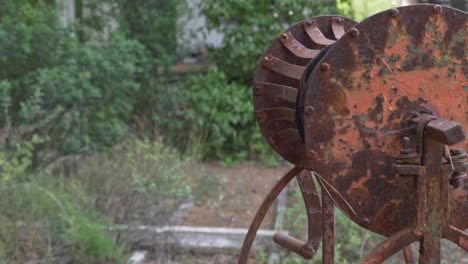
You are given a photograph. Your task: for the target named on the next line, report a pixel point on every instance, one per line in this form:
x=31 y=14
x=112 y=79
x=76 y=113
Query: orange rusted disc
x=402 y=60
x=278 y=77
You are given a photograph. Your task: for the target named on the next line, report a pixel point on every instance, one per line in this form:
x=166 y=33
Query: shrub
x=221 y=112
x=86 y=90
x=140 y=181
x=43 y=221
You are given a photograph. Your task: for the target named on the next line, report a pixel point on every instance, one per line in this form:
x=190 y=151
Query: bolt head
x=437 y=9
x=309 y=110
x=284 y=36
x=354 y=32
x=324 y=67
x=394 y=12
x=338 y=20
x=365 y=222
x=310 y=22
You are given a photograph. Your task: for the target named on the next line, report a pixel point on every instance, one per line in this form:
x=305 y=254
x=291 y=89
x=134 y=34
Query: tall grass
x=51 y=217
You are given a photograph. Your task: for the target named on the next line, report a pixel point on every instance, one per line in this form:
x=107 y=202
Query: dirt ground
x=240 y=191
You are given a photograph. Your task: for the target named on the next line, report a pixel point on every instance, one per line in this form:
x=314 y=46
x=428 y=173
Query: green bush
x=43 y=221
x=139 y=181
x=221 y=112
x=86 y=90
x=155 y=26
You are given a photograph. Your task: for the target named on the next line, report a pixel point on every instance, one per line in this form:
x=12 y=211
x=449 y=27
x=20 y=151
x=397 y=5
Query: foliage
x=361 y=9
x=140 y=181
x=220 y=110
x=43 y=221
x=65 y=219
x=84 y=90
x=155 y=26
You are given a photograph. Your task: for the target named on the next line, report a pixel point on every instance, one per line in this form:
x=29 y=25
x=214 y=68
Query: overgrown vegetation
x=78 y=96
x=96 y=129
x=68 y=92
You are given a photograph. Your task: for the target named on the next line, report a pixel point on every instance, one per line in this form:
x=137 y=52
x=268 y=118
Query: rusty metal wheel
x=278 y=78
x=406 y=59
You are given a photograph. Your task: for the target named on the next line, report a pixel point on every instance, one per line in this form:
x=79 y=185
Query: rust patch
x=375 y=80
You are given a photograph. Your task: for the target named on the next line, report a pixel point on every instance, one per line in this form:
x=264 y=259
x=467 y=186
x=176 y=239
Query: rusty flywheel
x=375 y=113
x=278 y=78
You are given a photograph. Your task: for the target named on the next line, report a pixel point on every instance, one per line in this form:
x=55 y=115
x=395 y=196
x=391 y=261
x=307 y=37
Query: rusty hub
x=387 y=67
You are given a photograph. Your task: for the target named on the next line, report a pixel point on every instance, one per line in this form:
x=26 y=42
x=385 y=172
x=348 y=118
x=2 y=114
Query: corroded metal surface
x=314 y=217
x=278 y=78
x=261 y=212
x=390 y=246
x=357 y=102
x=378 y=112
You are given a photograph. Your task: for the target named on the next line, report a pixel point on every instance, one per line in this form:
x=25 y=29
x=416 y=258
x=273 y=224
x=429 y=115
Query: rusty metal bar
x=274 y=114
x=408 y=255
x=315 y=34
x=282 y=67
x=285 y=137
x=432 y=227
x=260 y=215
x=285 y=93
x=390 y=246
x=457 y=236
x=328 y=228
x=313 y=208
x=294 y=245
x=338 y=27
x=296 y=47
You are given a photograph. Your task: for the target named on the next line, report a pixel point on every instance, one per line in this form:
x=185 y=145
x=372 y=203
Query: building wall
x=66 y=11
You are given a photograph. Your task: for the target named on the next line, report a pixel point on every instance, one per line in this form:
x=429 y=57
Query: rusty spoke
x=286 y=137
x=457 y=236
x=315 y=34
x=272 y=90
x=338 y=27
x=391 y=246
x=296 y=47
x=282 y=67
x=265 y=116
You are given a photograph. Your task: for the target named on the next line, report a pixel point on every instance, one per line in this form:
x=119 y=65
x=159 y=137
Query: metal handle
x=293 y=244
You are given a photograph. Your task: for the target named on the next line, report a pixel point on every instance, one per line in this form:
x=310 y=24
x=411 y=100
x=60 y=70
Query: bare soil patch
x=230 y=196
